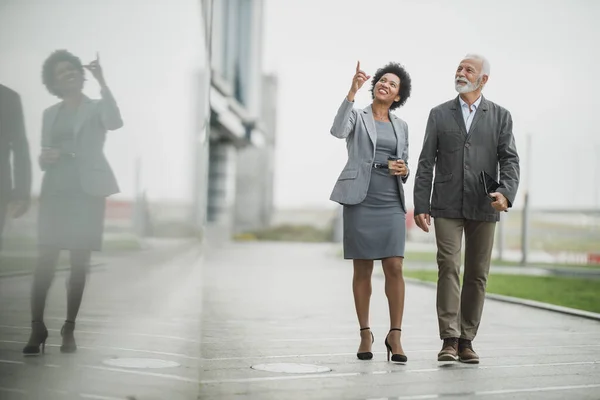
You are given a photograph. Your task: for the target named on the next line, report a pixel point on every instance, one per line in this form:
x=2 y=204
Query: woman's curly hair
x=50 y=65
x=405 y=83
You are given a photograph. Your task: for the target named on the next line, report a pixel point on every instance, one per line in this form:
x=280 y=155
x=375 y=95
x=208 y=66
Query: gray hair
x=486 y=67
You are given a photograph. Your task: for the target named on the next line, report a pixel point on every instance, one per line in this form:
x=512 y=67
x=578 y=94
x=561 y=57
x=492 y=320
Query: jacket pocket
x=443 y=192
x=348 y=174
x=439 y=178
x=97 y=164
x=451 y=141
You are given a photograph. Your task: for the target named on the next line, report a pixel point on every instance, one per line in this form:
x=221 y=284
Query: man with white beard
x=465 y=138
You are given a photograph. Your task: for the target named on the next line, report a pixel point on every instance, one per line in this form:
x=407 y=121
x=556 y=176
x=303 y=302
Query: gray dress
x=69 y=218
x=376 y=228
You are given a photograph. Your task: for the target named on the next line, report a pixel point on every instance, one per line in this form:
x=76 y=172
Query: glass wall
x=155 y=58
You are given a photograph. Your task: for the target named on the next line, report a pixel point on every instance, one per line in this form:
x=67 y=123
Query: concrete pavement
x=278 y=304
x=168 y=324
x=138 y=331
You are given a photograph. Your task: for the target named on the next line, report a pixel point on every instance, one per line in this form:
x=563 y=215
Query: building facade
x=242 y=132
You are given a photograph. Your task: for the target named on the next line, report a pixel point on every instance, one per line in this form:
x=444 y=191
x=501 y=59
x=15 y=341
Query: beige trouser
x=459 y=313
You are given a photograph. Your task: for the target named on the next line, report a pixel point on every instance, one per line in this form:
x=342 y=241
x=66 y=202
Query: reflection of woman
x=372 y=193
x=76 y=181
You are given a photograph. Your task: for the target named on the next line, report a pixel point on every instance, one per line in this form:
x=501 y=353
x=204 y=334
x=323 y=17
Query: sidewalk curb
x=530 y=270
x=524 y=302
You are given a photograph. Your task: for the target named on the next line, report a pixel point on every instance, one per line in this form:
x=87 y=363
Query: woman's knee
x=80 y=264
x=48 y=257
x=80 y=258
x=392 y=267
x=363 y=269
x=47 y=262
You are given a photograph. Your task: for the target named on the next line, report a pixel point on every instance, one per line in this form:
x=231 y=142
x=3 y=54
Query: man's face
x=468 y=77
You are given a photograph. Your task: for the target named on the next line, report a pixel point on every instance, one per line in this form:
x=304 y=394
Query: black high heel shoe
x=68 y=338
x=366 y=355
x=400 y=358
x=37 y=340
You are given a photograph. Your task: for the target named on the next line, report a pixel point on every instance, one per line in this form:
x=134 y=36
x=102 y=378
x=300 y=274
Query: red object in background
x=593 y=258
x=116 y=209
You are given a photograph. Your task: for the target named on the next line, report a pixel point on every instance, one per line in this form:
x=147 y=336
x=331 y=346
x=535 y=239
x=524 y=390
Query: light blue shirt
x=469 y=114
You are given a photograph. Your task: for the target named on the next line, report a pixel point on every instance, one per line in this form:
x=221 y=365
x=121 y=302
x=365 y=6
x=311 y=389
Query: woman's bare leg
x=394 y=290
x=361 y=287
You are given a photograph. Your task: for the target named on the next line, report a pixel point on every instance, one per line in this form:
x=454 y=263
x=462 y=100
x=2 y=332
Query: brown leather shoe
x=466 y=354
x=449 y=350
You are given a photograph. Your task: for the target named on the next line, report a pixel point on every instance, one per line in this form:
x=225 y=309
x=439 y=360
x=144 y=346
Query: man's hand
x=18 y=208
x=359 y=79
x=398 y=167
x=96 y=70
x=500 y=203
x=423 y=221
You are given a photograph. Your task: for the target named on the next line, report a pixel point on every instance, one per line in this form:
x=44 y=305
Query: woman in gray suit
x=370 y=188
x=76 y=181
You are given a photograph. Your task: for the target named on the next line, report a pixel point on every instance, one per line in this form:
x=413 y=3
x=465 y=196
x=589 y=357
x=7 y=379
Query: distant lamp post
x=597 y=178
x=525 y=218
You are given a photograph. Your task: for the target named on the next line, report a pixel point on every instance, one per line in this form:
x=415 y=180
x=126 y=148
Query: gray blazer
x=94 y=118
x=358 y=128
x=459 y=157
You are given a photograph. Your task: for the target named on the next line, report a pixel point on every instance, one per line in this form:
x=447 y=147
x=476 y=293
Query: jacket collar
x=458 y=116
x=372 y=130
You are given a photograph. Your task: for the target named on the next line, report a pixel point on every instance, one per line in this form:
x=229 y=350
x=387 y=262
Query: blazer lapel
x=483 y=107
x=370 y=124
x=50 y=117
x=457 y=113
x=82 y=114
x=399 y=132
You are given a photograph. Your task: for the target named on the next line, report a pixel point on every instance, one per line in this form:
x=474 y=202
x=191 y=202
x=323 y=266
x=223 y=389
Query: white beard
x=468 y=87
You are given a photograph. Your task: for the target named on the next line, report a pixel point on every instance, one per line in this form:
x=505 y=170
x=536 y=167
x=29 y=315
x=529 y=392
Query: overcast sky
x=544 y=57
